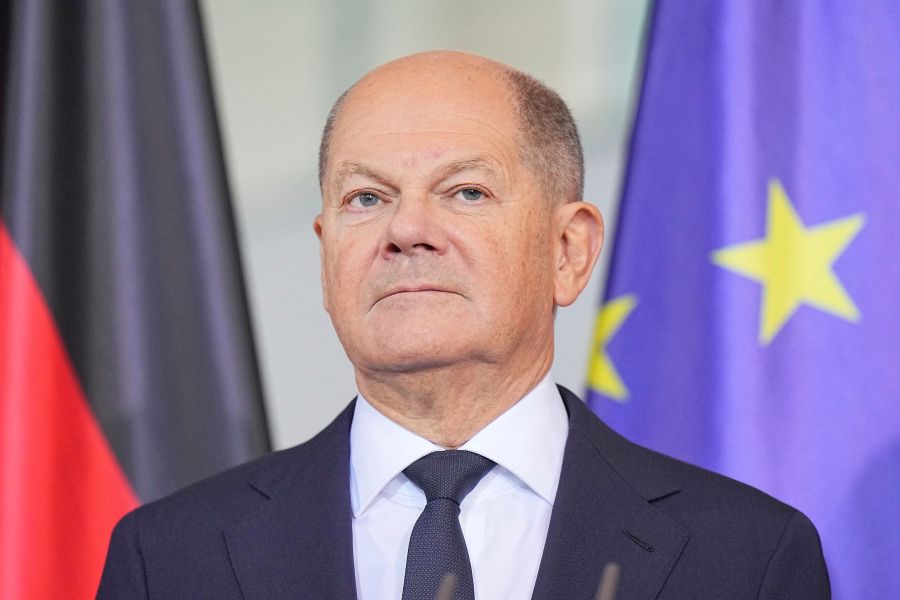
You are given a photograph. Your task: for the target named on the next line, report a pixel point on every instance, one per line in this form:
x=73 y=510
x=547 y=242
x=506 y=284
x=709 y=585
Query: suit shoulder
x=702 y=489
x=680 y=488
x=218 y=499
x=739 y=538
x=742 y=537
x=230 y=495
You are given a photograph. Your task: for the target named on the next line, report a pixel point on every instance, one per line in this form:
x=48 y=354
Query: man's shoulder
x=188 y=544
x=226 y=497
x=734 y=537
x=691 y=494
x=226 y=492
x=705 y=496
x=728 y=518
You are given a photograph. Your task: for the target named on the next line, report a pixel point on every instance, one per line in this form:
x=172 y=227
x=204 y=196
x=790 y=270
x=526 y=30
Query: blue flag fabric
x=751 y=317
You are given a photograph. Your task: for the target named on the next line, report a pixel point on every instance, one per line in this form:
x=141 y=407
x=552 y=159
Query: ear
x=317 y=227
x=580 y=236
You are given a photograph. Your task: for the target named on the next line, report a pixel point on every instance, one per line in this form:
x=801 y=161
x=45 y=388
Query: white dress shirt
x=504 y=518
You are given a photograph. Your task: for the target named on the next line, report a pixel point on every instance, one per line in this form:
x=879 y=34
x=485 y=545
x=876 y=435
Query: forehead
x=418 y=114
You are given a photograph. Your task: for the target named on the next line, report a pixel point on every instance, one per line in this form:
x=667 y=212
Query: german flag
x=127 y=367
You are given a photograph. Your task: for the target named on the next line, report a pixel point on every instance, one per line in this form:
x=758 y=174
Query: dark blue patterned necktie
x=437 y=547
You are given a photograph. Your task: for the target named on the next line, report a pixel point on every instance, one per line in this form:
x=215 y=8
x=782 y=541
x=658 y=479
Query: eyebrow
x=349 y=169
x=479 y=163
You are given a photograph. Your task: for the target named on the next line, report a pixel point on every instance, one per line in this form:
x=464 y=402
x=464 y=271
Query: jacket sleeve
x=797 y=568
x=123 y=574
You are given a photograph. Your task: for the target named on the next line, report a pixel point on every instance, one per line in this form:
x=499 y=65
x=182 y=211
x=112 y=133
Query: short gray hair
x=325 y=144
x=551 y=146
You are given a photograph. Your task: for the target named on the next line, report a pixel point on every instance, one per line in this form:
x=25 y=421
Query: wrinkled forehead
x=422 y=99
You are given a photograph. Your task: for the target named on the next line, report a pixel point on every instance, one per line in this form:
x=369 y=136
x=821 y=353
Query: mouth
x=414 y=289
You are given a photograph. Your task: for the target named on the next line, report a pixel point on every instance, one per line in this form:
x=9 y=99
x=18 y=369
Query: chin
x=418 y=345
x=409 y=359
x=410 y=363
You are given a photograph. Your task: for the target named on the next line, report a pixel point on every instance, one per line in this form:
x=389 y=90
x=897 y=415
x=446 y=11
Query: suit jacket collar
x=299 y=543
x=604 y=513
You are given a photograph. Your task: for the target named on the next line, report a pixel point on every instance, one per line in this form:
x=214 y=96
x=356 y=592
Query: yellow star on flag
x=602 y=374
x=794 y=264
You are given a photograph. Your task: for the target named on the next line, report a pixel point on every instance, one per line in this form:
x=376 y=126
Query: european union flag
x=752 y=316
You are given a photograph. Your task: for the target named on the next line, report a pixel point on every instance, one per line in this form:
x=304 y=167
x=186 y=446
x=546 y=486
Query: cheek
x=517 y=273
x=531 y=270
x=343 y=272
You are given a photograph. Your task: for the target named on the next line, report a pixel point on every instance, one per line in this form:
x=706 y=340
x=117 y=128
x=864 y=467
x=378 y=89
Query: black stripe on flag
x=114 y=190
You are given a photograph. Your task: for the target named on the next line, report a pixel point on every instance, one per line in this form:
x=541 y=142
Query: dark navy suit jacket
x=280 y=527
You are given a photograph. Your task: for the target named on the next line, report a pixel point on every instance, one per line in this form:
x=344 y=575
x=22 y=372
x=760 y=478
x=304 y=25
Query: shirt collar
x=379 y=450
x=528 y=440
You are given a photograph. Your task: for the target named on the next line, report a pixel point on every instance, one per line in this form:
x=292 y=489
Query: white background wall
x=277 y=67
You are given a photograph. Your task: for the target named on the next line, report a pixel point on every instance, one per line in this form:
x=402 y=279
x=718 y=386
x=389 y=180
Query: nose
x=414 y=227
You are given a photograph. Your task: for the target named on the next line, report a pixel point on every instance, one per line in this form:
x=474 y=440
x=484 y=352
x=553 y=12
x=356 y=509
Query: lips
x=405 y=289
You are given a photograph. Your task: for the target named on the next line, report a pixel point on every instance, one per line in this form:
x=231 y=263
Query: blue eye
x=471 y=194
x=364 y=200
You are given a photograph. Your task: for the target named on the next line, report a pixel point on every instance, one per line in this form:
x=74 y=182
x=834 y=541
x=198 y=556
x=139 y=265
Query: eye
x=364 y=200
x=470 y=194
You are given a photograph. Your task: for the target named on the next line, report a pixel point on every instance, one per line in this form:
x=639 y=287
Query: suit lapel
x=603 y=513
x=299 y=544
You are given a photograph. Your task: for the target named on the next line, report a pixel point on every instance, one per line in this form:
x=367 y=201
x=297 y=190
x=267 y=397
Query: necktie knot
x=450 y=474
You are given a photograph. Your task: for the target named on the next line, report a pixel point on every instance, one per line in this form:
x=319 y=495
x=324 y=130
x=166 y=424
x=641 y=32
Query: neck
x=449 y=405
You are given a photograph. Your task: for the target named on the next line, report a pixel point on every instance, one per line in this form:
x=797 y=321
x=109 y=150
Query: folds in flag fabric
x=750 y=323
x=127 y=367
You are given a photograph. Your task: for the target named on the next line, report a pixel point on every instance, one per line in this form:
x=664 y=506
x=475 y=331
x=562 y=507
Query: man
x=452 y=226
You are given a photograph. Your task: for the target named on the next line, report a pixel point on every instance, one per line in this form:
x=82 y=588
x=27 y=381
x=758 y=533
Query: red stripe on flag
x=61 y=489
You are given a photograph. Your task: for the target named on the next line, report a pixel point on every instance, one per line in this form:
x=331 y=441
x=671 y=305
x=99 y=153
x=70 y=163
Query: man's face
x=436 y=242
